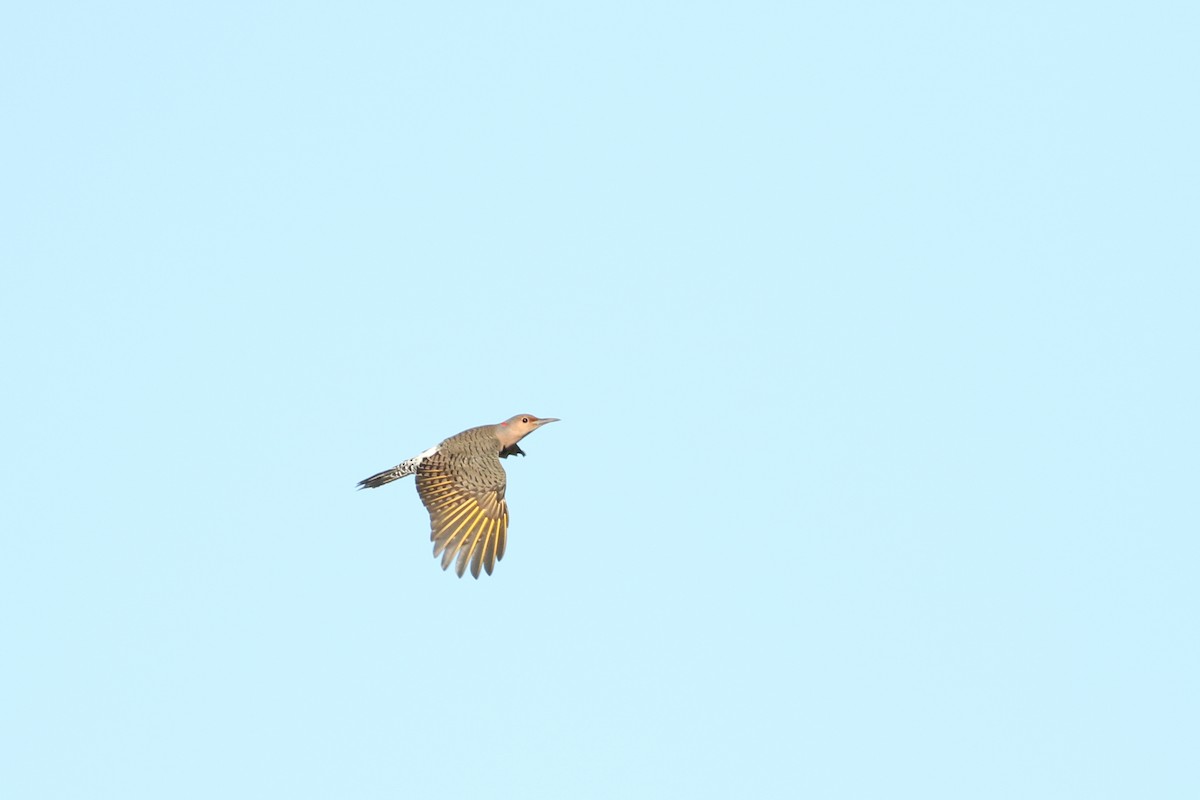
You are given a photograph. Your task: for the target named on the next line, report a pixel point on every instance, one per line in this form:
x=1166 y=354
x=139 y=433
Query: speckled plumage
x=462 y=483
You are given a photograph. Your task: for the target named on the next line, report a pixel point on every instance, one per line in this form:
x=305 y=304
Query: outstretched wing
x=467 y=512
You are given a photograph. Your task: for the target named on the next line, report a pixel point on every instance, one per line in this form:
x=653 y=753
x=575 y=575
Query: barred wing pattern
x=468 y=517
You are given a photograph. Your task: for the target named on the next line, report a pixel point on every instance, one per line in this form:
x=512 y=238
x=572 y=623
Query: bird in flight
x=461 y=482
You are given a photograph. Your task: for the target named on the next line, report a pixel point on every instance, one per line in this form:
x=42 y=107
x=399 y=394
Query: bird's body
x=461 y=483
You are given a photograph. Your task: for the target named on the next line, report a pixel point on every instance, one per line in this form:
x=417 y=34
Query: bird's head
x=514 y=429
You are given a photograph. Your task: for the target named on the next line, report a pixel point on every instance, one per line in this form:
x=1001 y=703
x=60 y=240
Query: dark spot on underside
x=511 y=450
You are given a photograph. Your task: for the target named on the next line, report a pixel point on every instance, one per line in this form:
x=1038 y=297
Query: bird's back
x=471 y=459
x=473 y=440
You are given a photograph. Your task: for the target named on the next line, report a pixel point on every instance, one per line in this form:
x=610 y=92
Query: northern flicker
x=461 y=483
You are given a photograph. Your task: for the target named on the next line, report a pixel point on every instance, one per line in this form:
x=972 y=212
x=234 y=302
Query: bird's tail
x=387 y=476
x=401 y=470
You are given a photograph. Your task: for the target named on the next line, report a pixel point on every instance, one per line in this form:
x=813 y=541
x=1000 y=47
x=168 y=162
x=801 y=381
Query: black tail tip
x=375 y=481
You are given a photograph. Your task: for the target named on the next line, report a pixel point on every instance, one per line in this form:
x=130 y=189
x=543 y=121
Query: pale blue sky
x=873 y=328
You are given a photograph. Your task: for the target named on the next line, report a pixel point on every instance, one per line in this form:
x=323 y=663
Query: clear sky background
x=872 y=326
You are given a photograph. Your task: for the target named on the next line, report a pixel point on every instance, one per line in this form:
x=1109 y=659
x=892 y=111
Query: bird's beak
x=546 y=420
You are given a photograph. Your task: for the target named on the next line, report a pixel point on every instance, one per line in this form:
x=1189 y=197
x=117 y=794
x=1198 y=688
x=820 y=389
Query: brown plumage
x=461 y=483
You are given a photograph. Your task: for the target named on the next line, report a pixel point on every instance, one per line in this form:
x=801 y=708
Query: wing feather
x=468 y=515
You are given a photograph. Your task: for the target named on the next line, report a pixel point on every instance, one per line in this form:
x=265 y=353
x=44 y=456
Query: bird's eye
x=524 y=419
